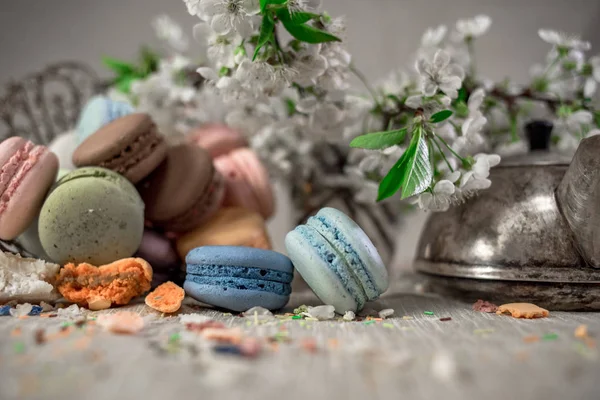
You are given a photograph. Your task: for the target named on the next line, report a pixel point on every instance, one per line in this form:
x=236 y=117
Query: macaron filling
x=335 y=261
x=214 y=270
x=336 y=238
x=282 y=289
x=141 y=148
x=206 y=205
x=16 y=169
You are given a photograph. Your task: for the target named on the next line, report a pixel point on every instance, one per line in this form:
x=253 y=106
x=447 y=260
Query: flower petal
x=441 y=59
x=208 y=73
x=221 y=24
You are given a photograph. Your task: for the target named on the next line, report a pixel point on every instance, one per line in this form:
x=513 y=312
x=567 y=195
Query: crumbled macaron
x=166 y=298
x=93 y=287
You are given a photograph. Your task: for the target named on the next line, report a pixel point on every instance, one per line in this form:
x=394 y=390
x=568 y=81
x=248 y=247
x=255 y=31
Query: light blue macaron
x=337 y=260
x=238 y=278
x=99 y=111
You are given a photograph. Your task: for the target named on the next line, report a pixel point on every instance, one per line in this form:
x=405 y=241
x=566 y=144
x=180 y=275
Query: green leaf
x=295 y=18
x=412 y=172
x=379 y=140
x=462 y=94
x=265 y=3
x=597 y=118
x=440 y=116
x=309 y=34
x=150 y=61
x=124 y=84
x=266 y=33
x=119 y=67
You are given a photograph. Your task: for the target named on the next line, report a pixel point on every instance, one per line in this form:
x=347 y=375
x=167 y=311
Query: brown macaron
x=184 y=191
x=130 y=145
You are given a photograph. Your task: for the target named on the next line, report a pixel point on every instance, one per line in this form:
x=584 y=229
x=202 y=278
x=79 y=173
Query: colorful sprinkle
x=228 y=349
x=446 y=319
x=428 y=312
x=174 y=338
x=19 y=348
x=369 y=322
x=407 y=317
x=483 y=331
x=5 y=311
x=531 y=339
x=387 y=325
x=297 y=317
x=550 y=336
x=35 y=310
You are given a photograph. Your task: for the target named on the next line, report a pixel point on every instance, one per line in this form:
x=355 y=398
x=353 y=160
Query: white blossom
x=591 y=81
x=440 y=74
x=572 y=128
x=563 y=40
x=226 y=16
x=221 y=50
x=472 y=28
x=440 y=198
x=170 y=32
x=434 y=36
x=309 y=64
x=193 y=6
x=303 y=5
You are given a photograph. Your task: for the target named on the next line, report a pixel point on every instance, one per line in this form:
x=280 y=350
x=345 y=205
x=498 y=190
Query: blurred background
x=382 y=34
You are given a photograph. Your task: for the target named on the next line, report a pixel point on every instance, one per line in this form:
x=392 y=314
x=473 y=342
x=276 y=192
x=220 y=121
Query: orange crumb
x=274 y=346
x=118 y=282
x=166 y=298
x=333 y=343
x=523 y=310
x=531 y=339
x=16 y=332
x=123 y=322
x=233 y=335
x=23 y=316
x=83 y=343
x=309 y=344
x=581 y=332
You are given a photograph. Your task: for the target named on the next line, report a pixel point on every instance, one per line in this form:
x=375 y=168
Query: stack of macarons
x=200 y=205
x=125 y=191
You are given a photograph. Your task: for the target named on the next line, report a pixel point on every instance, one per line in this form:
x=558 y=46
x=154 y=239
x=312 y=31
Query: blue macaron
x=238 y=278
x=99 y=111
x=337 y=260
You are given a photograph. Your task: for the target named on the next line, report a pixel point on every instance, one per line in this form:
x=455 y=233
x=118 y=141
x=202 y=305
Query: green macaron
x=92 y=215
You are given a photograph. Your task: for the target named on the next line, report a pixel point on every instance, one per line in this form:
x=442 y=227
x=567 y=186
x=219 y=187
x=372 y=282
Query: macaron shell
x=258 y=177
x=92 y=215
x=238 y=192
x=317 y=272
x=240 y=256
x=64 y=146
x=176 y=185
x=234 y=299
x=358 y=240
x=230 y=282
x=228 y=227
x=218 y=140
x=99 y=111
x=24 y=202
x=355 y=265
x=130 y=145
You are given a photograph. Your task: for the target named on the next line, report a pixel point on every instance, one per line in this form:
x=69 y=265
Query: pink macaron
x=26 y=173
x=246 y=182
x=217 y=139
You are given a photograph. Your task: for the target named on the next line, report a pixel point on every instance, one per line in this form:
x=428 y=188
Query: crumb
x=40 y=336
x=166 y=298
x=581 y=332
x=484 y=306
x=523 y=310
x=309 y=345
x=118 y=282
x=232 y=335
x=531 y=339
x=124 y=322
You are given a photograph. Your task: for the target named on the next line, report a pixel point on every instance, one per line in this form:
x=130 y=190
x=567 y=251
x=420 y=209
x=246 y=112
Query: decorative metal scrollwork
x=43 y=105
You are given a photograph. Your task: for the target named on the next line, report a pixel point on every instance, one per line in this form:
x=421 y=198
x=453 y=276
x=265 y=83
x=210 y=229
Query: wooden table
x=472 y=356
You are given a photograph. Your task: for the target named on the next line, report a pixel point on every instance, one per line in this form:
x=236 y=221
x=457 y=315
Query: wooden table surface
x=473 y=356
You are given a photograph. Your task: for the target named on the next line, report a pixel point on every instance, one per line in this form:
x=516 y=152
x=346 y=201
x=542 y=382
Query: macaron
x=27 y=171
x=337 y=260
x=64 y=146
x=238 y=278
x=92 y=215
x=130 y=145
x=99 y=111
x=158 y=250
x=229 y=227
x=217 y=139
x=184 y=191
x=246 y=182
